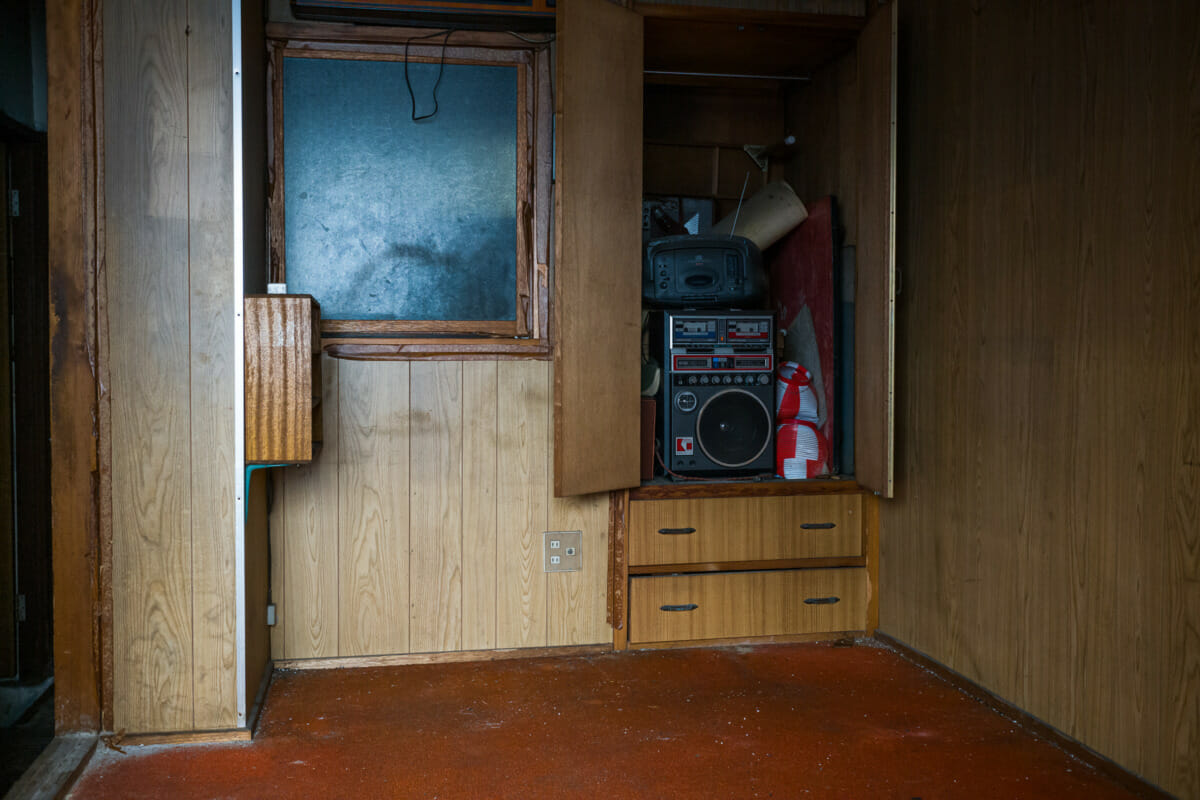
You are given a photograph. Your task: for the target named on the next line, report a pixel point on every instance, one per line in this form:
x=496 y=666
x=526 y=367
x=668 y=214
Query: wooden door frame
x=74 y=147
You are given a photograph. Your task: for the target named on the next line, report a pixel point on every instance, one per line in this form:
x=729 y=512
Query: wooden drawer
x=726 y=605
x=744 y=529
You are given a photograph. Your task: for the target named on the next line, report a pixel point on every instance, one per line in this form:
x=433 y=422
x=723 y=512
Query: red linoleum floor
x=777 y=721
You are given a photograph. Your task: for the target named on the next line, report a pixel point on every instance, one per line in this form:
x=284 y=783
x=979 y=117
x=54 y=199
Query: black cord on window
x=441 y=68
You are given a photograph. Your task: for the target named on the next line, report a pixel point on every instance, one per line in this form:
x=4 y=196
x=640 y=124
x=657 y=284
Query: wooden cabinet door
x=597 y=270
x=875 y=296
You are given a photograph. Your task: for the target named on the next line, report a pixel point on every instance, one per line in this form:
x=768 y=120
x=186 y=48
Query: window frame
x=528 y=334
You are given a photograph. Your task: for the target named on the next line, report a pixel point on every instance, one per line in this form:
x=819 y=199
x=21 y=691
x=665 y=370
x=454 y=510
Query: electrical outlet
x=563 y=551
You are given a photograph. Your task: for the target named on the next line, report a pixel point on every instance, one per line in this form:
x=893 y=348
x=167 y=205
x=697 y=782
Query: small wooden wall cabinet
x=283 y=378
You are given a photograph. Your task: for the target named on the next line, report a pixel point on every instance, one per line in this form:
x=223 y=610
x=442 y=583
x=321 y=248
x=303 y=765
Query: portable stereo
x=703 y=272
x=716 y=404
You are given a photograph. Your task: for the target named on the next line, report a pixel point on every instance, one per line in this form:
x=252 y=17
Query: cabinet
x=774 y=560
x=606 y=56
x=756 y=560
x=283 y=378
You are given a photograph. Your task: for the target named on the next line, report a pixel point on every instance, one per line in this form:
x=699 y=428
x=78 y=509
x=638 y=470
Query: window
x=410 y=192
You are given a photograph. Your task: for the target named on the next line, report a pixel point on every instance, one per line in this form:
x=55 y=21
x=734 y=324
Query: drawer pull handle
x=821 y=601
x=684 y=607
x=818 y=526
x=676 y=531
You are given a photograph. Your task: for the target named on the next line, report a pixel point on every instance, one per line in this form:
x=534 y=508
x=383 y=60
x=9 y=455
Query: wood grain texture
x=597 y=284
x=475 y=438
x=744 y=529
x=523 y=442
x=576 y=602
x=75 y=412
x=306 y=576
x=281 y=337
x=373 y=535
x=737 y=604
x=211 y=321
x=875 y=262
x=436 y=499
x=480 y=476
x=146 y=203
x=1043 y=542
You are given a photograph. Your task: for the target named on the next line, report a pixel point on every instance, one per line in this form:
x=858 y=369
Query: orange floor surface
x=778 y=721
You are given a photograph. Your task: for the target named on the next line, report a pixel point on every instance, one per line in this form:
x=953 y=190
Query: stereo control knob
x=727 y=379
x=662 y=285
x=764 y=378
x=704 y=380
x=691 y=380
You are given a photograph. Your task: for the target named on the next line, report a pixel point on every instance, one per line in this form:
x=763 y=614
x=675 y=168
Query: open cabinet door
x=597 y=271
x=875 y=293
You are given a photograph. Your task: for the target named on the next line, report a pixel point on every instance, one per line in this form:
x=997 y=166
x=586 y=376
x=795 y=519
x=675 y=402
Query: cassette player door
x=597 y=280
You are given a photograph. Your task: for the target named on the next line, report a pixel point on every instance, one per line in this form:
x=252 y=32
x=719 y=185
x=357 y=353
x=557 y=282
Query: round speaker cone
x=733 y=428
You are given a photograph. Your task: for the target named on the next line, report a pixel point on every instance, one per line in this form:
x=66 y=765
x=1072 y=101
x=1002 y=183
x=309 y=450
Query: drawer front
x=744 y=529
x=726 y=605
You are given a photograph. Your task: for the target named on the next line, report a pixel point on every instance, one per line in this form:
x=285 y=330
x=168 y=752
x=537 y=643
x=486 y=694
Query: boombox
x=716 y=404
x=703 y=271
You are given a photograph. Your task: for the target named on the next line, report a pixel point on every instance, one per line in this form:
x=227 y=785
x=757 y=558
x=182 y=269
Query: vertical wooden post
x=71 y=47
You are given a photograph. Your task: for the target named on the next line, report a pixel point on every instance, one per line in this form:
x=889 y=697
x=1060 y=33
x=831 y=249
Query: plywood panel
x=309 y=569
x=146 y=201
x=212 y=360
x=373 y=535
x=597 y=283
x=436 y=500
x=75 y=410
x=480 y=479
x=476 y=486
x=874 y=335
x=1043 y=539
x=576 y=602
x=523 y=416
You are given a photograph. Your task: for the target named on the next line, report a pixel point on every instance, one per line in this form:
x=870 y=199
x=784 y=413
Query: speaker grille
x=733 y=428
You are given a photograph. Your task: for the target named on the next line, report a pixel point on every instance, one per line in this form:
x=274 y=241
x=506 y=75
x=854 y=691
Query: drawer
x=744 y=529
x=726 y=605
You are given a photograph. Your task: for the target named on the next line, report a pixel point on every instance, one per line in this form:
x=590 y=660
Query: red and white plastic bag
x=800 y=450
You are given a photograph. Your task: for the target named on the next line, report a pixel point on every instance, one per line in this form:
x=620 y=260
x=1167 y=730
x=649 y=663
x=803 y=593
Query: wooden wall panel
x=480 y=464
x=146 y=202
x=523 y=414
x=373 y=503
x=212 y=360
x=468 y=506
x=308 y=567
x=436 y=499
x=1043 y=539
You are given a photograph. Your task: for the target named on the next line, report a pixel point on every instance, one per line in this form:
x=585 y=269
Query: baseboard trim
x=119 y=740
x=457 y=656
x=1110 y=769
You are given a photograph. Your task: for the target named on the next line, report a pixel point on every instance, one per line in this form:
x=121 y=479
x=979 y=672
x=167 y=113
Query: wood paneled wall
x=418 y=529
x=1045 y=537
x=169 y=329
